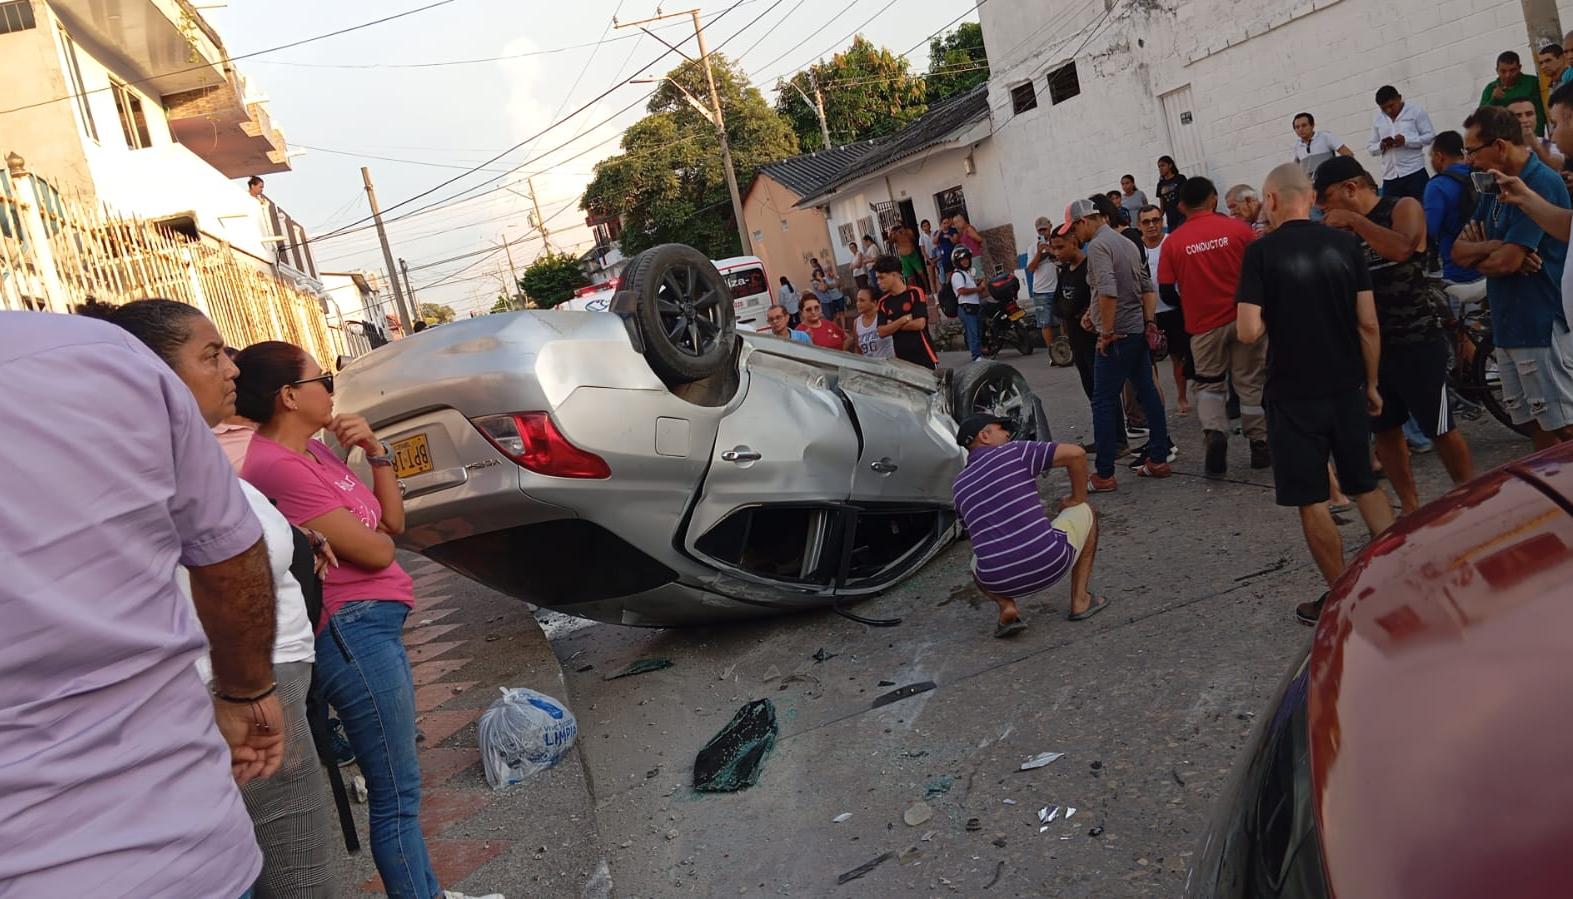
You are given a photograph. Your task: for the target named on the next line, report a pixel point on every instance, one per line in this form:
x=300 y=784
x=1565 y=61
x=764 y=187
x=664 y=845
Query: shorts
x=1076 y=524
x=1043 y=309
x=835 y=307
x=912 y=264
x=1537 y=382
x=1172 y=323
x=1413 y=381
x=1304 y=433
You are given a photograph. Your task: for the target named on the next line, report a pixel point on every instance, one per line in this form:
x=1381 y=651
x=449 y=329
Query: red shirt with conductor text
x=1202 y=258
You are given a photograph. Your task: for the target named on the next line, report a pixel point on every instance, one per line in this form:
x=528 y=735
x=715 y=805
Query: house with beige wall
x=786 y=236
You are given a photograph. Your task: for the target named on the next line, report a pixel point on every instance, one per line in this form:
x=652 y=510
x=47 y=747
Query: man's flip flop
x=1099 y=603
x=1010 y=628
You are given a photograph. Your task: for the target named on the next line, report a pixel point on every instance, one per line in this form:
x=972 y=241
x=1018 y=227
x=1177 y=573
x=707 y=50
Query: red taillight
x=533 y=441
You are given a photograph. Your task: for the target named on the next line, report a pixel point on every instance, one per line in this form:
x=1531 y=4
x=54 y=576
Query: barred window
x=16 y=16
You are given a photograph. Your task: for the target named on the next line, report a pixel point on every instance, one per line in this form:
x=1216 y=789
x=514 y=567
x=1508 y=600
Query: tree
x=436 y=313
x=503 y=304
x=667 y=184
x=868 y=91
x=551 y=279
x=958 y=62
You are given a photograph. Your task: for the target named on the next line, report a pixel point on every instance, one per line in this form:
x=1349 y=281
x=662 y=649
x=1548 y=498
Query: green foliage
x=551 y=279
x=868 y=92
x=502 y=305
x=436 y=313
x=961 y=50
x=668 y=182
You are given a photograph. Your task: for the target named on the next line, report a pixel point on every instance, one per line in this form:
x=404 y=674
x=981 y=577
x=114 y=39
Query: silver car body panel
x=678 y=468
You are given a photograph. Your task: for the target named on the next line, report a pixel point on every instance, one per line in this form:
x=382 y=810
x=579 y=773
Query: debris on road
x=901 y=693
x=998 y=870
x=939 y=786
x=1010 y=802
x=583 y=668
x=886 y=683
x=864 y=868
x=974 y=824
x=1070 y=811
x=1095 y=832
x=821 y=656
x=1048 y=813
x=734 y=757
x=523 y=733
x=841 y=818
x=999 y=841
x=917 y=813
x=1039 y=760
x=771 y=674
x=641 y=666
x=1177 y=777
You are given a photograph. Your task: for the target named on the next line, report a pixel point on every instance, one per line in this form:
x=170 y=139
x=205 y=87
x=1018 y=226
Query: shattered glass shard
x=733 y=758
x=641 y=666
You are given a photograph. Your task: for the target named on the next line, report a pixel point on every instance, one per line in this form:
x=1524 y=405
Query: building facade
x=1080 y=95
x=785 y=234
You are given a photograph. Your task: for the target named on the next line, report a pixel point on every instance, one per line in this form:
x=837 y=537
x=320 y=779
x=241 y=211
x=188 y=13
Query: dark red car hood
x=1441 y=697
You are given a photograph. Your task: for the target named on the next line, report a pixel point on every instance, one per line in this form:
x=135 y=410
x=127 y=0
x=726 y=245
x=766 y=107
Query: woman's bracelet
x=246 y=700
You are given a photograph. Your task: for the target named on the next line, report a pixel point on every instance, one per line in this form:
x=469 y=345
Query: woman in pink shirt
x=362 y=669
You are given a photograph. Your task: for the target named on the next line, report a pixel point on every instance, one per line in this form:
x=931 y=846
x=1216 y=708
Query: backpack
x=948 y=299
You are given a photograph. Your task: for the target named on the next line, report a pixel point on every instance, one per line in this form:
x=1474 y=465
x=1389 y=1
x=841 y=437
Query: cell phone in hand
x=1485 y=183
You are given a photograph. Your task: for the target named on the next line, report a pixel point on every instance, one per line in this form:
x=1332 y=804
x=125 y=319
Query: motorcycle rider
x=969 y=299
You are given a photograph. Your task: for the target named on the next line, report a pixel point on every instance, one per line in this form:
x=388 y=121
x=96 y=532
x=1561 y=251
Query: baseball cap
x=1041 y=223
x=1074 y=212
x=1336 y=171
x=973 y=425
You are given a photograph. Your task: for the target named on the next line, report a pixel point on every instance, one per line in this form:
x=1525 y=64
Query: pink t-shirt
x=306 y=488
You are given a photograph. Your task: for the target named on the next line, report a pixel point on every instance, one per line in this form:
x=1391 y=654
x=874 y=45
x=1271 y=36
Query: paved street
x=1150 y=702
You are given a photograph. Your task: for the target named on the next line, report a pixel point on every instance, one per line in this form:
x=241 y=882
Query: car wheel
x=994 y=388
x=682 y=310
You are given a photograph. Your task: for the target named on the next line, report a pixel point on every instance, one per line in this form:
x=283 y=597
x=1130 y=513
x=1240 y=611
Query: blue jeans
x=972 y=326
x=1414 y=435
x=1126 y=360
x=364 y=674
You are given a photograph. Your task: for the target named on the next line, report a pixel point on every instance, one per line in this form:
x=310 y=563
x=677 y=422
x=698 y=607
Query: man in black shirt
x=1072 y=297
x=904 y=304
x=1308 y=289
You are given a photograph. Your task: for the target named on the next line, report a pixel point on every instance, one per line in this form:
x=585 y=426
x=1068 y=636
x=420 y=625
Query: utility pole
x=715 y=116
x=816 y=103
x=513 y=285
x=1542 y=23
x=408 y=290
x=406 y=322
x=536 y=220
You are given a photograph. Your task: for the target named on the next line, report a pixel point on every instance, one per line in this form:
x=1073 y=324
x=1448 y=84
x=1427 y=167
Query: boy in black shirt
x=1308 y=288
x=905 y=304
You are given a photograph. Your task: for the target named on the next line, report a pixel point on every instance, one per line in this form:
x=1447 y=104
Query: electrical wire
x=229 y=59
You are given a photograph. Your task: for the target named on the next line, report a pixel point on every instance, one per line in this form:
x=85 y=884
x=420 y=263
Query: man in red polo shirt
x=1202 y=258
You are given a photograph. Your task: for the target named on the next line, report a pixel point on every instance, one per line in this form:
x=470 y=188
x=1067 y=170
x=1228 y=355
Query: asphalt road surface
x=1151 y=703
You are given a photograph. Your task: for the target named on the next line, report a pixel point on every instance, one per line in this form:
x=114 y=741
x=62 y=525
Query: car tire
x=681 y=312
x=994 y=388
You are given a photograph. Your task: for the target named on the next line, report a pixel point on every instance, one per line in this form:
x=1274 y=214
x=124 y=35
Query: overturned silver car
x=652 y=466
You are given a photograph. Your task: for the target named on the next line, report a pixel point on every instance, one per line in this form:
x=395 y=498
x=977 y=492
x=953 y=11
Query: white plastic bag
x=522 y=733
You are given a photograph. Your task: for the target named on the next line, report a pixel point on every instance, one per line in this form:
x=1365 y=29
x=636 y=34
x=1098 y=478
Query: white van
x=745 y=275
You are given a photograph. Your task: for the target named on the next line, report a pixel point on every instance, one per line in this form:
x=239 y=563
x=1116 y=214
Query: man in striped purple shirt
x=1017 y=549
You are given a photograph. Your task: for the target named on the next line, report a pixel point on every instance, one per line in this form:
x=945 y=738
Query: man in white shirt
x=1400 y=133
x=969 y=300
x=1315 y=147
x=1045 y=279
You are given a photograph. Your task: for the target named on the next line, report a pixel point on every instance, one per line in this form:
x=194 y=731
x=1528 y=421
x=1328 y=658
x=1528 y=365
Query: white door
x=1185 y=132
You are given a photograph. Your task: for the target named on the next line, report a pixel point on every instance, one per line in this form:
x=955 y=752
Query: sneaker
x=1096 y=484
x=1261 y=456
x=1307 y=613
x=343 y=752
x=1133 y=433
x=1420 y=448
x=1140 y=456
x=1217 y=459
x=455 y=894
x=1151 y=469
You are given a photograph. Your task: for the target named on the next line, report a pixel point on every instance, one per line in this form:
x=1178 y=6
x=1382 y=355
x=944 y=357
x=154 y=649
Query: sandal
x=1009 y=628
x=1099 y=603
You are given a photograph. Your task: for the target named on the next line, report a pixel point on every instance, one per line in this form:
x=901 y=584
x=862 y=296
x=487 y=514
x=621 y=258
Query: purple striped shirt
x=1018 y=550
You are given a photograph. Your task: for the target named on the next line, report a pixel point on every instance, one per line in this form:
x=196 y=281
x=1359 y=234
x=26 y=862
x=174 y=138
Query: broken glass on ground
x=864 y=868
x=901 y=693
x=733 y=758
x=1041 y=759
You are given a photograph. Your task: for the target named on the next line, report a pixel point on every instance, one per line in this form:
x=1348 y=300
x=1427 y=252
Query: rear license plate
x=1018 y=315
x=412 y=456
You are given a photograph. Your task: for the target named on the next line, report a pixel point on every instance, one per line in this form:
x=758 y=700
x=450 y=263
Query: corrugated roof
x=941 y=123
x=804 y=174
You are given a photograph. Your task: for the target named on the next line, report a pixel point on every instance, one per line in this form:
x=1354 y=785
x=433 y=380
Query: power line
x=230 y=59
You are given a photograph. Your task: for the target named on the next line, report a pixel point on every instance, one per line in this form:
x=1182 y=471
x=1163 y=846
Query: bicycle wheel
x=1486 y=385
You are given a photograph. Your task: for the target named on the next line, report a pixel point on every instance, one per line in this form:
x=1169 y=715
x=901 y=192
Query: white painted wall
x=163 y=179
x=1326 y=57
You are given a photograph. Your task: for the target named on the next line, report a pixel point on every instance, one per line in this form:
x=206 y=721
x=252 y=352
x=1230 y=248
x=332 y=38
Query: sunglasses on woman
x=326 y=379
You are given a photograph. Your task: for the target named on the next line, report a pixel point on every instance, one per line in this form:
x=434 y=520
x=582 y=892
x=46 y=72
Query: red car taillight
x=533 y=441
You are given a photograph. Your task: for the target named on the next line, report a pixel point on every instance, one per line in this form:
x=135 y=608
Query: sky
x=370 y=97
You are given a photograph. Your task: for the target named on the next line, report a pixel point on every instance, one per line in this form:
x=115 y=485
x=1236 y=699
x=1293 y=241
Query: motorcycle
x=1002 y=321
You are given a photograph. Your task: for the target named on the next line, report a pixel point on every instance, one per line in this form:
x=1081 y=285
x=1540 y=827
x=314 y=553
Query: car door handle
x=740 y=456
x=884 y=466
